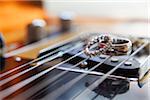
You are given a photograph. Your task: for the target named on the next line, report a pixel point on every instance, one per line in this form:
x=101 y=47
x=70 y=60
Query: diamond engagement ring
x=108 y=45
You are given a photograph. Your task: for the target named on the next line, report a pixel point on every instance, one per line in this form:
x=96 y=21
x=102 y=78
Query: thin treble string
x=100 y=80
x=21 y=84
x=33 y=61
x=38 y=87
x=12 y=89
x=38 y=64
x=68 y=85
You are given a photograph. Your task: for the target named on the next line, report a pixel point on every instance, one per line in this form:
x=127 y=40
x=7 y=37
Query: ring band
x=109 y=46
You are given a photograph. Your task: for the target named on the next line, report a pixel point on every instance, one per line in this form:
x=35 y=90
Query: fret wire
x=30 y=62
x=21 y=84
x=31 y=68
x=100 y=80
x=68 y=85
x=38 y=87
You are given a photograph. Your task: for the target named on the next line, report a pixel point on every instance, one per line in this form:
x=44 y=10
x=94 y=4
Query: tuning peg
x=65 y=21
x=2 y=58
x=36 y=30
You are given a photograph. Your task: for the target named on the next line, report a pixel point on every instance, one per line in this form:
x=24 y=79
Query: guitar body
x=61 y=73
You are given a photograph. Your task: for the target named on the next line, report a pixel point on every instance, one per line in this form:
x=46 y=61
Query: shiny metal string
x=100 y=80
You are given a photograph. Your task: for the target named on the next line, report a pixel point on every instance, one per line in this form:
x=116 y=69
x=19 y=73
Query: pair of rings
x=108 y=45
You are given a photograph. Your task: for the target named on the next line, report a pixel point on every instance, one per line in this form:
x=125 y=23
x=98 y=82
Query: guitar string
x=4 y=81
x=68 y=85
x=100 y=80
x=39 y=86
x=21 y=84
x=95 y=73
x=33 y=61
x=12 y=89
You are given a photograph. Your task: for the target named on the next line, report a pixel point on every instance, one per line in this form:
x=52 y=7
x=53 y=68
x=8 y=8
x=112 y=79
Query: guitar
x=63 y=72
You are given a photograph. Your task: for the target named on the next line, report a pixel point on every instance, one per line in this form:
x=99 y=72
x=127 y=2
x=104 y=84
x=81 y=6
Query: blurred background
x=22 y=20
